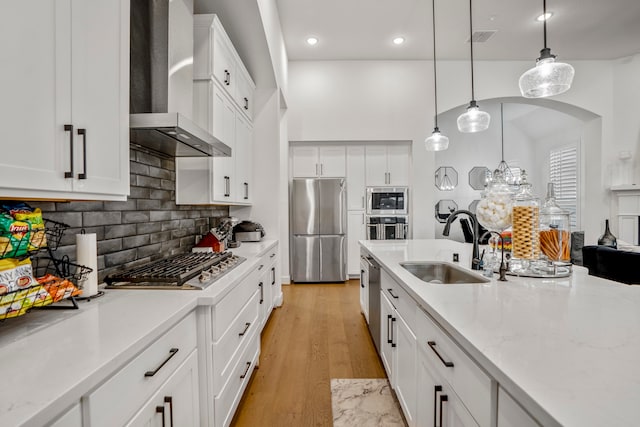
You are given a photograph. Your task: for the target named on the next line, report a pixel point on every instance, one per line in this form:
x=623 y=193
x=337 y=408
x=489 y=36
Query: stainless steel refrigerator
x=318 y=230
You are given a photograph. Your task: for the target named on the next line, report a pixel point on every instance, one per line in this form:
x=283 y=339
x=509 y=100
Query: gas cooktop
x=186 y=271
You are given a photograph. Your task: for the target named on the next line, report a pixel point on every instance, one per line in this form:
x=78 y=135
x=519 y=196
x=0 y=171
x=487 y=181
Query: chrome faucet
x=475 y=261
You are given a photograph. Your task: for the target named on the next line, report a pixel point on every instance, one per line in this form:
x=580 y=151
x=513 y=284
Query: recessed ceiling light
x=398 y=40
x=312 y=41
x=544 y=16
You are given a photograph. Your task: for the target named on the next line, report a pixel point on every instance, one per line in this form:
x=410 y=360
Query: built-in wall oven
x=387 y=201
x=387 y=227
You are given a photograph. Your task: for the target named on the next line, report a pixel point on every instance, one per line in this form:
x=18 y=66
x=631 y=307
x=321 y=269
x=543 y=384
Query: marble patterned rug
x=364 y=403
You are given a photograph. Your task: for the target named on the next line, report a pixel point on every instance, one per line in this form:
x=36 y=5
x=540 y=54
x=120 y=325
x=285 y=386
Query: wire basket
x=19 y=302
x=23 y=241
x=62 y=268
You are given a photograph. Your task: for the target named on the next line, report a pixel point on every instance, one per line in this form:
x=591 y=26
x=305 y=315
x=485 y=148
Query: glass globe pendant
x=548 y=77
x=437 y=141
x=473 y=120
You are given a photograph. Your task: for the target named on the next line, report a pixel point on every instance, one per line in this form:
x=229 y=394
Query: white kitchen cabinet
x=511 y=414
x=215 y=57
x=387 y=333
x=437 y=403
x=356 y=192
x=142 y=377
x=328 y=161
x=355 y=231
x=65 y=99
x=387 y=165
x=454 y=368
x=274 y=276
x=71 y=418
x=217 y=180
x=405 y=369
x=176 y=402
x=364 y=288
x=265 y=288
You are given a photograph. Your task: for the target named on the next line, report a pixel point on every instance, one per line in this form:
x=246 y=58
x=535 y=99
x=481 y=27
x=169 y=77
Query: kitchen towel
x=87 y=255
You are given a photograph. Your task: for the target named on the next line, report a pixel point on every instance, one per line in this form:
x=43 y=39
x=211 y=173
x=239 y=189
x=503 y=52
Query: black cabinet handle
x=227 y=80
x=69 y=128
x=272 y=255
x=246 y=103
x=246 y=328
x=169 y=400
x=261 y=292
x=443 y=398
x=362 y=278
x=393 y=344
x=246 y=371
x=389 y=341
x=227 y=186
x=391 y=293
x=261 y=267
x=246 y=190
x=172 y=353
x=160 y=410
x=83 y=132
x=436 y=389
x=273 y=276
x=432 y=344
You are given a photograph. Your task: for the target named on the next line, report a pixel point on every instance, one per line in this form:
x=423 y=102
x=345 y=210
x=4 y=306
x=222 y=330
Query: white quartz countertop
x=567 y=349
x=50 y=358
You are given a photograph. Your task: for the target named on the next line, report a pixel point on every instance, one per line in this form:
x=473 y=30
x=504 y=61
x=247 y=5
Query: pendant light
x=548 y=77
x=437 y=141
x=474 y=119
x=503 y=166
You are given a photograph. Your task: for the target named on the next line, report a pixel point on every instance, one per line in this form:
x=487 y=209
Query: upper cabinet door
x=398 y=165
x=100 y=95
x=332 y=160
x=355 y=178
x=376 y=165
x=35 y=104
x=305 y=162
x=65 y=99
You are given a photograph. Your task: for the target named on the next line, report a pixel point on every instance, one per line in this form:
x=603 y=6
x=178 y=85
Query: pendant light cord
x=435 y=75
x=502 y=134
x=544 y=21
x=471 y=43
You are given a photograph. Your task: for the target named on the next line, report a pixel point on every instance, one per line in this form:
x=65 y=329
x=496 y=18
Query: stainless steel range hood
x=161 y=81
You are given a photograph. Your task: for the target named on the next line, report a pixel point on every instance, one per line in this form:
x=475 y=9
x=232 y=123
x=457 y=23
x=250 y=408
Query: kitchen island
x=54 y=361
x=565 y=349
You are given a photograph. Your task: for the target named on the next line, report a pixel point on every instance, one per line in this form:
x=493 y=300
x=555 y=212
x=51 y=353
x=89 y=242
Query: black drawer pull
x=389 y=340
x=169 y=400
x=69 y=128
x=443 y=398
x=437 y=389
x=83 y=132
x=272 y=255
x=393 y=344
x=246 y=371
x=172 y=353
x=160 y=410
x=432 y=344
x=261 y=266
x=391 y=293
x=261 y=285
x=246 y=328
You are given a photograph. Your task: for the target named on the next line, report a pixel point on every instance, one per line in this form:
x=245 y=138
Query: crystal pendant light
x=437 y=141
x=474 y=119
x=548 y=77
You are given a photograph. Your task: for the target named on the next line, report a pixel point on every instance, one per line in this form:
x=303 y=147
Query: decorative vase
x=608 y=239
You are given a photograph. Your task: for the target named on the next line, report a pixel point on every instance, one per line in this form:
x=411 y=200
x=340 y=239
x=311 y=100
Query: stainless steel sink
x=441 y=273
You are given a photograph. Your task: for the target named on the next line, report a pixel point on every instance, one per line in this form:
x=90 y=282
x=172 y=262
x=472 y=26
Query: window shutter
x=563 y=172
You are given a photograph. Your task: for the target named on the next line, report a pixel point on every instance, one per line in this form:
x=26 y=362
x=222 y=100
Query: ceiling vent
x=482 y=36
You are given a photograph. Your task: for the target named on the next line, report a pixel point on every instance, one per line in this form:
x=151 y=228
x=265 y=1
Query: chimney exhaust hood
x=161 y=81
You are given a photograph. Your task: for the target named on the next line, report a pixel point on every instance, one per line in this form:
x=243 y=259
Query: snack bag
x=15 y=275
x=58 y=288
x=19 y=291
x=14 y=236
x=23 y=212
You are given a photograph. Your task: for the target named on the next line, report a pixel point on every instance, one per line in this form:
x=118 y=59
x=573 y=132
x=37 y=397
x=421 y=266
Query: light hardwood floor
x=318 y=334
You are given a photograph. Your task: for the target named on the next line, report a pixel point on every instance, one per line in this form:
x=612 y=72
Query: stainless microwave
x=387 y=201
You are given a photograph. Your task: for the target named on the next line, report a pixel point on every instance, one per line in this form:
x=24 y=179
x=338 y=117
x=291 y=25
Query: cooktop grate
x=177 y=269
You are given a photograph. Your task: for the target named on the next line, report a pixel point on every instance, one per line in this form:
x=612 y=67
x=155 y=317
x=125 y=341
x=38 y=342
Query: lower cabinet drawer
x=228 y=308
x=227 y=401
x=454 y=366
x=142 y=377
x=234 y=341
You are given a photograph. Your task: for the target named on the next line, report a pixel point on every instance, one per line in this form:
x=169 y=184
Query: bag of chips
x=58 y=288
x=14 y=236
x=19 y=290
x=25 y=213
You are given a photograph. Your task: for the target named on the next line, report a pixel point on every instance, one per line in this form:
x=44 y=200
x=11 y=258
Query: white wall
x=391 y=100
